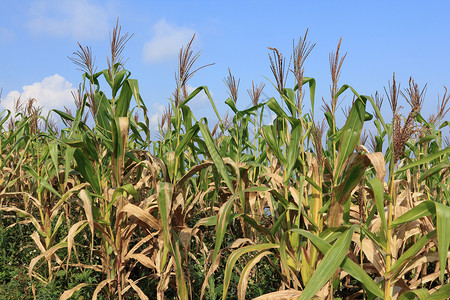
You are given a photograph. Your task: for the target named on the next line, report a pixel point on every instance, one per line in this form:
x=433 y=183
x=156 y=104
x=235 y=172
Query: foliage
x=247 y=208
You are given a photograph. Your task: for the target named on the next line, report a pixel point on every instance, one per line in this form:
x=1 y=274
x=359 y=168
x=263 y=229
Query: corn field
x=302 y=206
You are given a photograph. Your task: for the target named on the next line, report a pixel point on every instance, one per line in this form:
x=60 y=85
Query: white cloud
x=79 y=19
x=156 y=112
x=166 y=42
x=54 y=92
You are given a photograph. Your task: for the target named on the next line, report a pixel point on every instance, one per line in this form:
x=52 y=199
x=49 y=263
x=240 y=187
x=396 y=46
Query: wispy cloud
x=156 y=113
x=166 y=42
x=79 y=19
x=54 y=92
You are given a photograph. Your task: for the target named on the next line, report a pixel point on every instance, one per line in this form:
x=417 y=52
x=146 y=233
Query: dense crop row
x=297 y=207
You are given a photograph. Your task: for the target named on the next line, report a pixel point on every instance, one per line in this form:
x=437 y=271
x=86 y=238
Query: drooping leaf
x=231 y=261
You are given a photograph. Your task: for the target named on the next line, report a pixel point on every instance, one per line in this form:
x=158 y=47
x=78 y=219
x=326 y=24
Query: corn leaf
x=443 y=233
x=351 y=133
x=328 y=266
x=378 y=192
x=215 y=156
x=426 y=208
x=441 y=294
x=422 y=294
x=232 y=259
x=348 y=265
x=424 y=160
x=84 y=166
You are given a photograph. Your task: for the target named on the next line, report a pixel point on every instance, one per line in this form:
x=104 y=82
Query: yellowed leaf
x=141 y=214
x=280 y=295
x=67 y=294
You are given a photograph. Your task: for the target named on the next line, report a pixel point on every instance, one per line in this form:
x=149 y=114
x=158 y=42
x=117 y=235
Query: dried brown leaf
x=280 y=295
x=141 y=214
x=67 y=294
x=100 y=286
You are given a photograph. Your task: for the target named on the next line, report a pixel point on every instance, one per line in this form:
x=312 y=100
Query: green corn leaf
x=441 y=294
x=214 y=153
x=276 y=108
x=107 y=77
x=208 y=221
x=352 y=178
x=243 y=281
x=89 y=146
x=248 y=111
x=165 y=191
x=128 y=188
x=422 y=294
x=48 y=187
x=329 y=119
x=68 y=157
x=222 y=224
x=443 y=233
x=328 y=266
x=442 y=212
x=444 y=124
x=272 y=143
x=118 y=78
x=293 y=150
x=377 y=188
x=424 y=209
x=252 y=222
x=4 y=119
x=182 y=289
x=313 y=183
x=104 y=113
x=188 y=117
x=427 y=138
x=122 y=104
x=351 y=133
x=84 y=166
x=276 y=227
x=195 y=92
x=284 y=256
x=224 y=216
x=348 y=265
x=434 y=170
x=232 y=259
x=312 y=90
x=289 y=99
x=53 y=151
x=64 y=115
x=424 y=160
x=232 y=105
x=187 y=138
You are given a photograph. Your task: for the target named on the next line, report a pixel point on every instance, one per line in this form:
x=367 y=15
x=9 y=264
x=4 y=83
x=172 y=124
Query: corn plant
x=297 y=207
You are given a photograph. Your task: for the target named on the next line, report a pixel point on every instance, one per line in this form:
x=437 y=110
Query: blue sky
x=410 y=38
